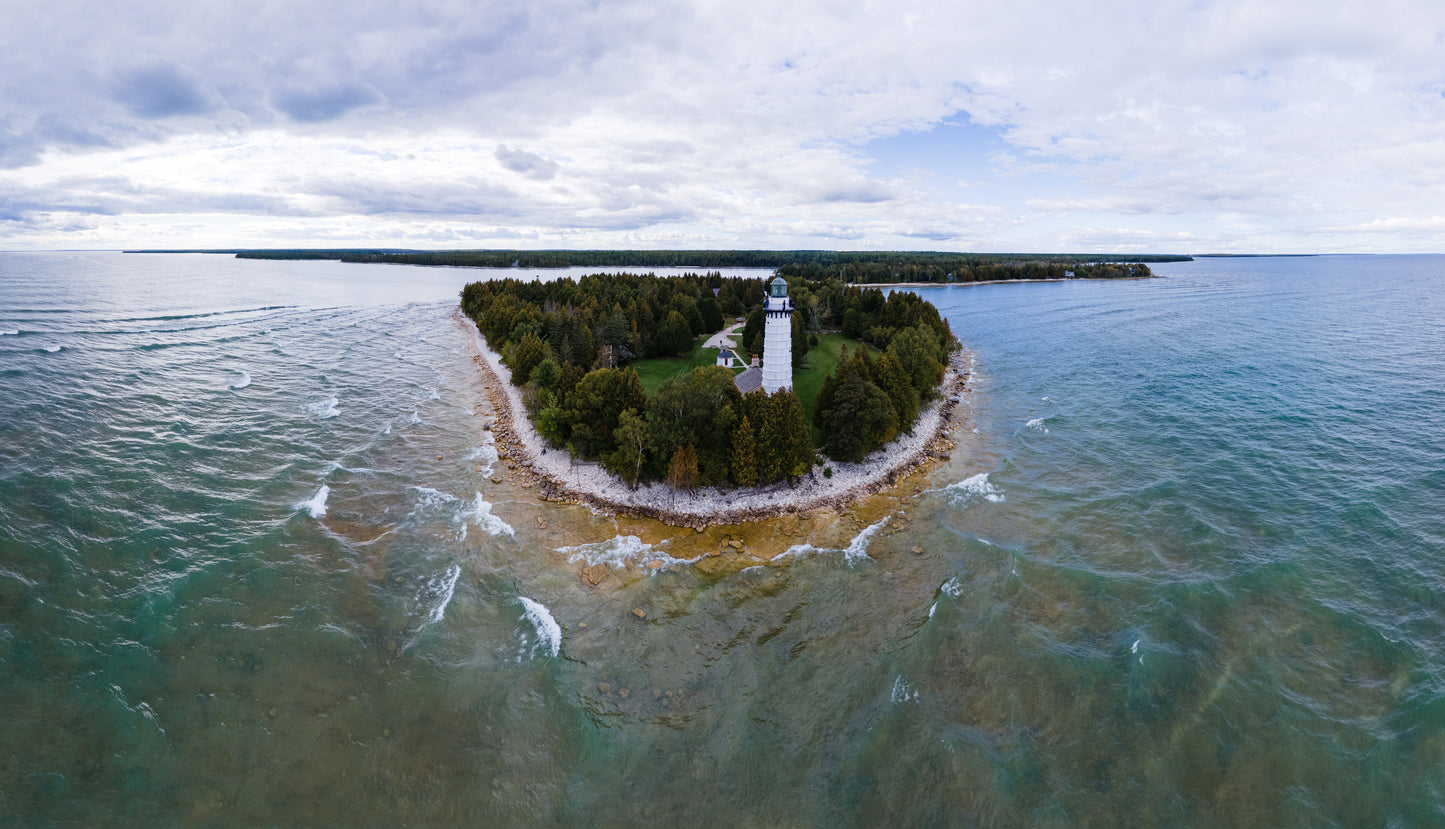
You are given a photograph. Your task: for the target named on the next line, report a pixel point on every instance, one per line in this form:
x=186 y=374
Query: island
x=627 y=392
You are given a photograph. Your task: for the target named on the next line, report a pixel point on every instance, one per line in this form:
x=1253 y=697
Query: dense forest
x=857 y=267
x=946 y=269
x=569 y=345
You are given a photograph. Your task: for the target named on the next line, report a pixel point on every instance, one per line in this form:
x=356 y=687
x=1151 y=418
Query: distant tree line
x=964 y=268
x=568 y=344
x=850 y=266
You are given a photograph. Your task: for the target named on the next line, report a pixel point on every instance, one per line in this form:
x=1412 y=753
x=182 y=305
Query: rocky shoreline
x=560 y=478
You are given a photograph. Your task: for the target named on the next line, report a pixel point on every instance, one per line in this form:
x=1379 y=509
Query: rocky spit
x=561 y=478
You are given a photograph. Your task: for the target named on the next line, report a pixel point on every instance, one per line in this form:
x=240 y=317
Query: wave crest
x=317 y=505
x=974 y=488
x=323 y=409
x=549 y=633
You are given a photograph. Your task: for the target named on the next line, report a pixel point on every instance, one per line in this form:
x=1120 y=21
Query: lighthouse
x=778 y=339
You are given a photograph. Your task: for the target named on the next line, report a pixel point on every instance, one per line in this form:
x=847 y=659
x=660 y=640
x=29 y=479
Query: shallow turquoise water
x=254 y=568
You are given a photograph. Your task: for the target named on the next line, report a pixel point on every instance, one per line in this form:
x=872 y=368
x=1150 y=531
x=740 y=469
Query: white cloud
x=1284 y=126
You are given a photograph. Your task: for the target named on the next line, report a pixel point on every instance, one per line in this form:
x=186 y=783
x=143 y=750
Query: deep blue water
x=260 y=563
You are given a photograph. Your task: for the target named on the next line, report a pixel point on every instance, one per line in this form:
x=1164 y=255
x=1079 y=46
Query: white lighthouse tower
x=778 y=339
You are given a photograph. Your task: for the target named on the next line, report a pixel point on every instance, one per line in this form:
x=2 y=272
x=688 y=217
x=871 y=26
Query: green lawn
x=807 y=381
x=653 y=373
x=822 y=361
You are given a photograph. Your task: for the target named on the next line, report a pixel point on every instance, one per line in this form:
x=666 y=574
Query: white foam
x=487 y=453
x=323 y=408
x=317 y=505
x=549 y=633
x=52 y=348
x=432 y=497
x=1037 y=424
x=414 y=419
x=482 y=515
x=973 y=488
x=387 y=430
x=442 y=585
x=797 y=551
x=622 y=551
x=902 y=691
x=857 y=549
x=9 y=333
x=618 y=551
x=242 y=382
x=433 y=394
x=1135 y=647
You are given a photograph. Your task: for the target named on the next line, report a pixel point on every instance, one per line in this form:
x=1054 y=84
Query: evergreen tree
x=525 y=357
x=700 y=407
x=595 y=407
x=616 y=331
x=712 y=319
x=800 y=341
x=744 y=461
x=728 y=301
x=773 y=440
x=753 y=332
x=920 y=354
x=888 y=375
x=545 y=375
x=796 y=454
x=859 y=416
x=567 y=380
x=675 y=336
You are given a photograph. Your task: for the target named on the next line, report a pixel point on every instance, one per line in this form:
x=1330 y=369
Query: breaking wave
x=323 y=408
x=974 y=488
x=856 y=551
x=487 y=454
x=441 y=586
x=623 y=551
x=482 y=514
x=317 y=505
x=549 y=633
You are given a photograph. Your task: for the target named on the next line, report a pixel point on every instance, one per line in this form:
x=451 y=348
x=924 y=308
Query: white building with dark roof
x=751 y=378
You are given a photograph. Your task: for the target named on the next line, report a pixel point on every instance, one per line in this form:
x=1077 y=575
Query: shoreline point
x=561 y=478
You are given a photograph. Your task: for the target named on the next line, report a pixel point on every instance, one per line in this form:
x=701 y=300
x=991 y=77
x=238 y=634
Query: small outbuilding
x=751 y=378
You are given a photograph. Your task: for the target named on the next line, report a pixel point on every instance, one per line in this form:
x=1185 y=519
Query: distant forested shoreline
x=851 y=267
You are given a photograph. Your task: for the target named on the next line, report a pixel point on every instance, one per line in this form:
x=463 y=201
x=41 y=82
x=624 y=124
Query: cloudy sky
x=967 y=125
